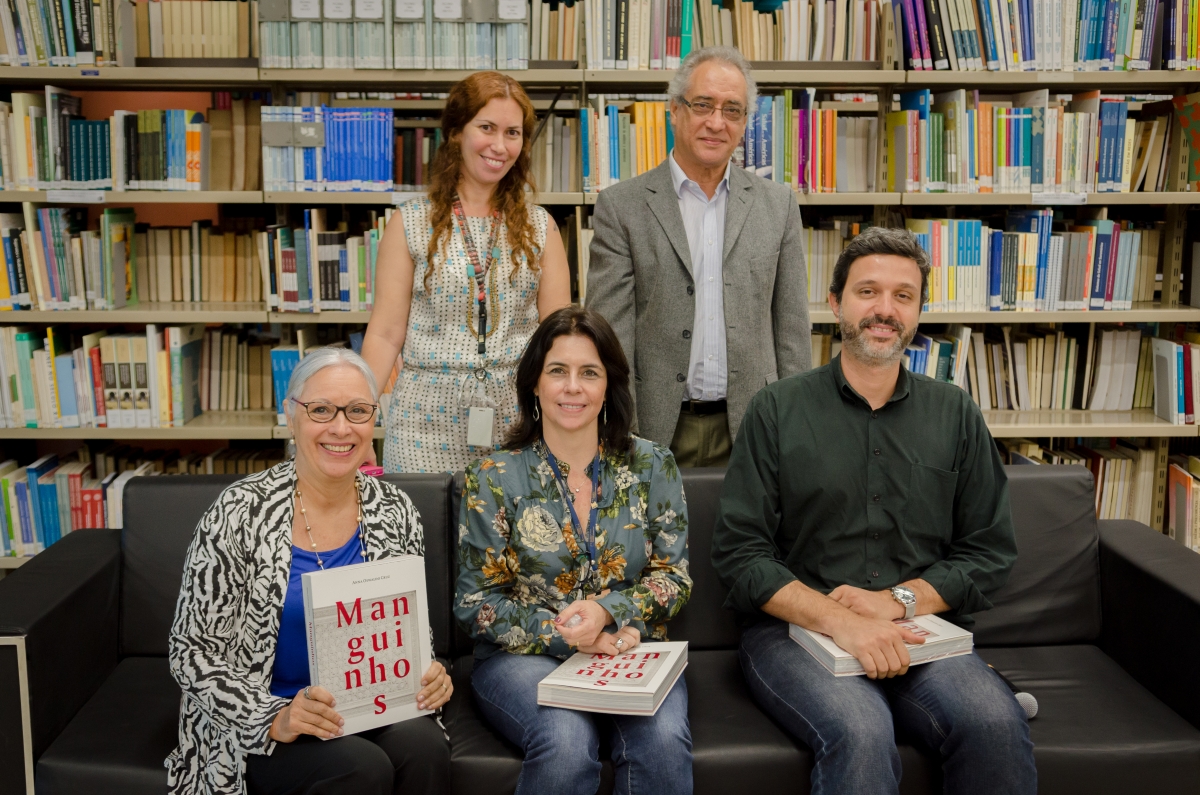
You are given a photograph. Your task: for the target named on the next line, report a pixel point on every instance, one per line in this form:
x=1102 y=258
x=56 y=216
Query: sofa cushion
x=1053 y=593
x=161 y=515
x=431 y=496
x=1097 y=730
x=733 y=742
x=117 y=742
x=704 y=622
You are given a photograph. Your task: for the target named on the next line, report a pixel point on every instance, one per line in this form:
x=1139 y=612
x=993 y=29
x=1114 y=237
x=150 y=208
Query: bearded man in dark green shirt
x=859 y=493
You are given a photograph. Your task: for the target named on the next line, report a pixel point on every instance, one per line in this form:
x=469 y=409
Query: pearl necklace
x=308 y=529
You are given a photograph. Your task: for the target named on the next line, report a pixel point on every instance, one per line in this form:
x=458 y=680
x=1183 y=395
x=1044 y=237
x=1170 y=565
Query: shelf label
x=368 y=9
x=89 y=72
x=450 y=10
x=1060 y=198
x=76 y=196
x=410 y=9
x=510 y=9
x=338 y=9
x=306 y=9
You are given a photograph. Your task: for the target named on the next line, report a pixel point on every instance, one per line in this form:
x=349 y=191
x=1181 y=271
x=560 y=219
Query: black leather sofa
x=1098 y=622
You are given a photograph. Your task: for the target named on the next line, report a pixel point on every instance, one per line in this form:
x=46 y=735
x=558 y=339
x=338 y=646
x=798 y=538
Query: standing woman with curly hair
x=465 y=274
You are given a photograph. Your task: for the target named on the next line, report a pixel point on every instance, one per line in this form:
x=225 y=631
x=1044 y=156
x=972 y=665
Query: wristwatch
x=907 y=598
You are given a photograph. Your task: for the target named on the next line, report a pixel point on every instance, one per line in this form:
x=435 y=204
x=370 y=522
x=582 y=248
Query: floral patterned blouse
x=521 y=560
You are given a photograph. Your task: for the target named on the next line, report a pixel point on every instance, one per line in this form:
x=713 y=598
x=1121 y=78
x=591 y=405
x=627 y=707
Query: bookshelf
x=1075 y=422
x=573 y=85
x=209 y=425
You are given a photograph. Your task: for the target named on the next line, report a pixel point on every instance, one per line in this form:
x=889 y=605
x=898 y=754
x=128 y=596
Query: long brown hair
x=466 y=99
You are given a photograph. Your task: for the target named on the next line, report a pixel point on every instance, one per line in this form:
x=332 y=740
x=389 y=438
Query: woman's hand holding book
x=311 y=712
x=436 y=687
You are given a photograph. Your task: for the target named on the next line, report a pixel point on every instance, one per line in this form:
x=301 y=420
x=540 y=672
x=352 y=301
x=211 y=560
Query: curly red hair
x=466 y=99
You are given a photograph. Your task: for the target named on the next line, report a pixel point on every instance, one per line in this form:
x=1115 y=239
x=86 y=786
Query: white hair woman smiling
x=251 y=719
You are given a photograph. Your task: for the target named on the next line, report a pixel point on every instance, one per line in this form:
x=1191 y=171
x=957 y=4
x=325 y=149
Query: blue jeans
x=956 y=708
x=562 y=746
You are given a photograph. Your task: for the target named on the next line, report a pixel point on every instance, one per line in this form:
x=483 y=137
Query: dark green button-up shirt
x=825 y=490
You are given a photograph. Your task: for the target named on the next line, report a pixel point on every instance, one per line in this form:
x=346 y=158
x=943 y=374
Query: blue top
x=290 y=673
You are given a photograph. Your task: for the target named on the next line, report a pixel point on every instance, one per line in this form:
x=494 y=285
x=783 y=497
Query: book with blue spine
x=64 y=378
x=29 y=529
x=344 y=276
x=585 y=149
x=48 y=499
x=1098 y=289
x=284 y=360
x=33 y=473
x=766 y=134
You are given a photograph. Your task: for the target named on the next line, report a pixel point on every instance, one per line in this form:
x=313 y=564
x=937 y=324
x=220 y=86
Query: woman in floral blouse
x=576 y=517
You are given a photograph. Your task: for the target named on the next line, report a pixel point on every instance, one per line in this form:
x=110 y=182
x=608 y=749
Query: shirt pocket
x=929 y=504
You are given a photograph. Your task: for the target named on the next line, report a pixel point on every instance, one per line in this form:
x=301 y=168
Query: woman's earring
x=606 y=412
x=537 y=415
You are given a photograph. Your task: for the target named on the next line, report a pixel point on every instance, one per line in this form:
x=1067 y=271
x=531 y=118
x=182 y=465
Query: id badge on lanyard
x=481 y=408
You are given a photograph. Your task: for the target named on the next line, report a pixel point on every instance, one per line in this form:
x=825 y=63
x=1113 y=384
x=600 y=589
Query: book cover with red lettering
x=634 y=683
x=368 y=638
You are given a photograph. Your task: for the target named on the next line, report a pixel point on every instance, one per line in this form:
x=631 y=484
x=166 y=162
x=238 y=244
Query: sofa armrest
x=1150 y=591
x=62 y=608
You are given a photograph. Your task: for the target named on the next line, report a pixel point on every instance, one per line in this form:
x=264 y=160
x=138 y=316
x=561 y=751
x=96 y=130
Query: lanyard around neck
x=588 y=532
x=477 y=270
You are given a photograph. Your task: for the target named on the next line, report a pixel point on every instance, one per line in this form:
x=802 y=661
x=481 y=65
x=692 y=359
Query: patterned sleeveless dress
x=427 y=418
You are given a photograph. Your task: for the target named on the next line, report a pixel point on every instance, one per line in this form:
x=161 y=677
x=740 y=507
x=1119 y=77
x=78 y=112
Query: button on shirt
x=704 y=220
x=823 y=490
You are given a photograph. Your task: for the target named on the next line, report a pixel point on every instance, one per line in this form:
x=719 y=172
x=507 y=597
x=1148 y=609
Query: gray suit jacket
x=640 y=279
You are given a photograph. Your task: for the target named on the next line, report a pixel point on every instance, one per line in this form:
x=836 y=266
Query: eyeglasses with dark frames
x=702 y=109
x=323 y=412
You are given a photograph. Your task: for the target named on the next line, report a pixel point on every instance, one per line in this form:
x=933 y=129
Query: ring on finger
x=306 y=695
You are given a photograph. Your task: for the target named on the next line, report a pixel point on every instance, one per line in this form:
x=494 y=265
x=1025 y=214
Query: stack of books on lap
x=942 y=640
x=629 y=684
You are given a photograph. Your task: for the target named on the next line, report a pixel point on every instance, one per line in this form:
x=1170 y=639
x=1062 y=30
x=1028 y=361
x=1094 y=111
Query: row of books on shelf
x=46 y=144
x=193 y=28
x=415 y=148
x=956 y=142
x=405 y=34
x=1072 y=367
x=159 y=378
x=961 y=142
x=795 y=30
x=1183 y=500
x=329 y=149
x=1123 y=471
x=964 y=35
x=54 y=263
x=52 y=497
x=1026 y=266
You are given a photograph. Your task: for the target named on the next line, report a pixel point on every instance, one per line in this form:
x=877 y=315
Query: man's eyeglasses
x=702 y=110
x=320 y=411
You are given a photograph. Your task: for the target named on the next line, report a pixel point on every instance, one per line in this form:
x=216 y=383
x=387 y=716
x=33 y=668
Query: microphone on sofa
x=1026 y=700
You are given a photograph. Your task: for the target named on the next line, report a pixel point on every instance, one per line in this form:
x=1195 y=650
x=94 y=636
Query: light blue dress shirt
x=704 y=220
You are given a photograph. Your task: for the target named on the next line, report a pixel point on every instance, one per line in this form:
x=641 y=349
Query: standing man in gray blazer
x=699 y=267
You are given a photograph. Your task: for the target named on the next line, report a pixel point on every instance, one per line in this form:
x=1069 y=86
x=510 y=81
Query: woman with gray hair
x=250 y=720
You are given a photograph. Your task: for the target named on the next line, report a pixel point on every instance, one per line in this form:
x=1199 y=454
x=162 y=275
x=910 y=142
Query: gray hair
x=729 y=55
x=880 y=240
x=317 y=360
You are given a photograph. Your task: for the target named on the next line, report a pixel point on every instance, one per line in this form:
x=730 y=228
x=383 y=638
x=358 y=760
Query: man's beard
x=864 y=350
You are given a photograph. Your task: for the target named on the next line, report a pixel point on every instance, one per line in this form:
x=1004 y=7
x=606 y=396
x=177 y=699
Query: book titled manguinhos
x=368 y=638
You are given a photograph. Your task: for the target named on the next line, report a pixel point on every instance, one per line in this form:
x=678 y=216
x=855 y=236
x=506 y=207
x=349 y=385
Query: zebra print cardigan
x=222 y=647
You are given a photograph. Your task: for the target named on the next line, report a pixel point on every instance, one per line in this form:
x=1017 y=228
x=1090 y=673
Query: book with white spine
x=634 y=683
x=942 y=640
